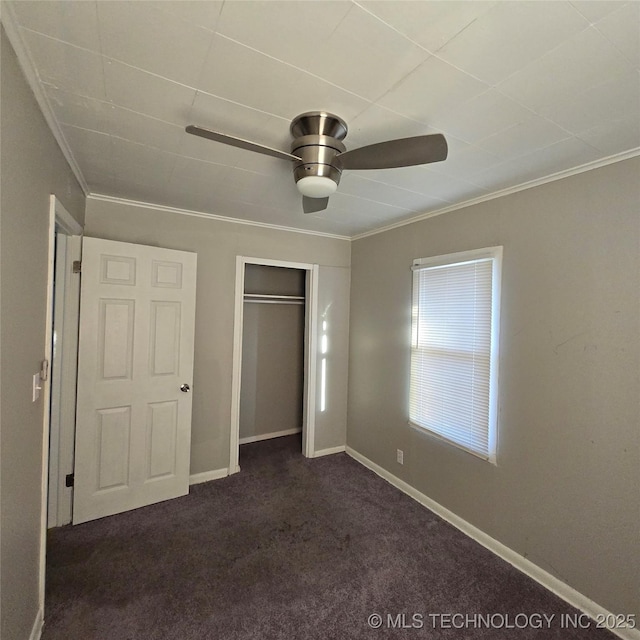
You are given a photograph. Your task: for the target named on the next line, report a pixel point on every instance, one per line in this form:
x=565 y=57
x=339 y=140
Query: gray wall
x=566 y=490
x=333 y=309
x=217 y=243
x=32 y=168
x=272 y=368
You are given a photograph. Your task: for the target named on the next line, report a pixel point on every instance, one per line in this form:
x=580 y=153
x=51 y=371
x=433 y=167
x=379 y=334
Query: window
x=454 y=348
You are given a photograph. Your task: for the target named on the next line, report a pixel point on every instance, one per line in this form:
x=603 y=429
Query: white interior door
x=135 y=367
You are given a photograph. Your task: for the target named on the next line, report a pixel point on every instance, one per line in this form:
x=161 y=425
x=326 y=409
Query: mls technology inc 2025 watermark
x=506 y=621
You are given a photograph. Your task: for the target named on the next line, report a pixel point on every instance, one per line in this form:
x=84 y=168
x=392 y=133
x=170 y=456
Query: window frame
x=494 y=254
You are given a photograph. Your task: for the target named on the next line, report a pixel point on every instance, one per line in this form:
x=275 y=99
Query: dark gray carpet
x=289 y=548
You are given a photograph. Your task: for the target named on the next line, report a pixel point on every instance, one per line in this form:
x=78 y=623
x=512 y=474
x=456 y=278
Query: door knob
x=185 y=388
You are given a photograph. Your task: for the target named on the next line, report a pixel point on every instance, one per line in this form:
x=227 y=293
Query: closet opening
x=274 y=354
x=272 y=380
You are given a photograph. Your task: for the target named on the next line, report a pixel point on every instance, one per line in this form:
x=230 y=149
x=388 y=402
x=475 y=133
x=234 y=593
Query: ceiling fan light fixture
x=316 y=186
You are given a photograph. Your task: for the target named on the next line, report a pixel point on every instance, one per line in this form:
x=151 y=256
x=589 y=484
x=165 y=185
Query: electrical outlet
x=400 y=456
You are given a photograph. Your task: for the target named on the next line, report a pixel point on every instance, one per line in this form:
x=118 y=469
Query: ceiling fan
x=319 y=155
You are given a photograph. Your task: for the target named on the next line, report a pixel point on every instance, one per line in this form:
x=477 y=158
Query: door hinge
x=68 y=480
x=77 y=266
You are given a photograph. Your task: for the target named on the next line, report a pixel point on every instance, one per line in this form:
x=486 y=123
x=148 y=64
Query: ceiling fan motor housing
x=318 y=136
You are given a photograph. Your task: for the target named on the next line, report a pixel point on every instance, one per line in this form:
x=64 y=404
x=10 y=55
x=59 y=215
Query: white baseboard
x=205 y=476
x=328 y=452
x=38 y=623
x=268 y=436
x=550 y=582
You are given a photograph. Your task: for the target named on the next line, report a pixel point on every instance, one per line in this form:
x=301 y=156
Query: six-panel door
x=133 y=423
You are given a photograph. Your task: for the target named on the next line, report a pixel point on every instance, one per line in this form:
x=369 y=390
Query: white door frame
x=55 y=374
x=62 y=221
x=63 y=377
x=311 y=319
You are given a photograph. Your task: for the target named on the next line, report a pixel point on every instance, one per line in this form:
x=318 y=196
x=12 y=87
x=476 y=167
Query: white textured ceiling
x=522 y=90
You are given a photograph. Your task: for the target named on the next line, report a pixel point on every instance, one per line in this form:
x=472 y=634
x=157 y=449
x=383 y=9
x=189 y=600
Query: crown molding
x=28 y=67
x=560 y=175
x=211 y=216
x=566 y=173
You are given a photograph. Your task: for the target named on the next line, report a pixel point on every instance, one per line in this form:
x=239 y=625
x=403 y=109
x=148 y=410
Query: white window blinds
x=454 y=348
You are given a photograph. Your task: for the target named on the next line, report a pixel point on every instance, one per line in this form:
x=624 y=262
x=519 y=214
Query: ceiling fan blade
x=404 y=152
x=239 y=142
x=313 y=205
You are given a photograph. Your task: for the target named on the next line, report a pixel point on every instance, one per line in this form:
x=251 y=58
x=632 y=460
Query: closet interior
x=272 y=382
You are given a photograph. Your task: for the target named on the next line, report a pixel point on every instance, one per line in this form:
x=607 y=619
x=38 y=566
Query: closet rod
x=271 y=296
x=259 y=301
